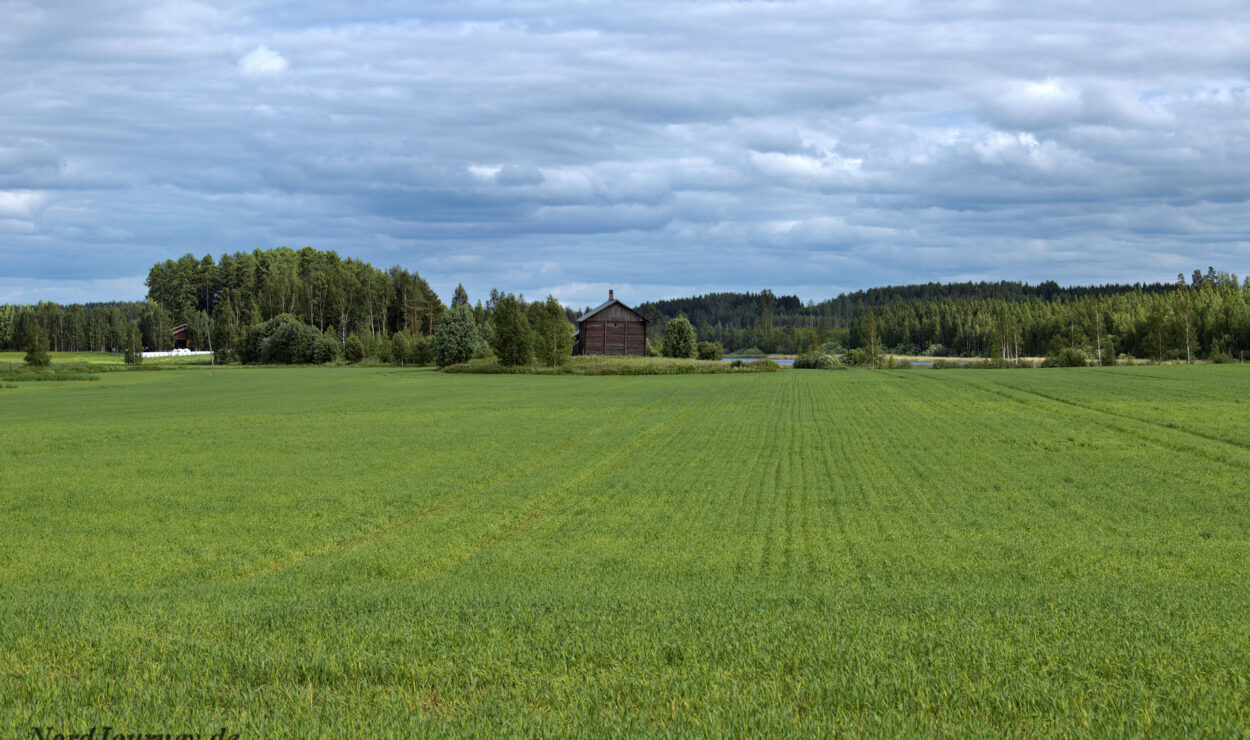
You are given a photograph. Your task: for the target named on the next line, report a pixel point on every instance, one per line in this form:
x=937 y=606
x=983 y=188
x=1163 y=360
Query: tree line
x=234 y=303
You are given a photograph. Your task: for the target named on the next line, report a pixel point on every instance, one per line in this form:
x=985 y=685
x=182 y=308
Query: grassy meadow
x=390 y=551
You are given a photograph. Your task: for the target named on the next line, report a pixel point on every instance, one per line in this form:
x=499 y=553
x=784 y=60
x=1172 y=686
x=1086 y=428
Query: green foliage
x=1067 y=357
x=679 y=338
x=855 y=357
x=399 y=349
x=354 y=349
x=817 y=361
x=710 y=351
x=553 y=333
x=36 y=346
x=750 y=352
x=285 y=340
x=457 y=337
x=513 y=339
x=134 y=346
x=420 y=351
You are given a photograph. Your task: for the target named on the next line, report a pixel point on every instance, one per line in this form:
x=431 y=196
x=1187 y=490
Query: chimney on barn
x=610 y=298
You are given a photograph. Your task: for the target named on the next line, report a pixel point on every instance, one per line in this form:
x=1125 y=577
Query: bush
x=818 y=361
x=354 y=349
x=935 y=350
x=420 y=352
x=750 y=352
x=1066 y=357
x=457 y=339
x=710 y=351
x=325 y=348
x=291 y=343
x=679 y=339
x=1221 y=358
x=855 y=356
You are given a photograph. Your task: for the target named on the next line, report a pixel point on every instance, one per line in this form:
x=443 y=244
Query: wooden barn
x=611 y=329
x=181 y=335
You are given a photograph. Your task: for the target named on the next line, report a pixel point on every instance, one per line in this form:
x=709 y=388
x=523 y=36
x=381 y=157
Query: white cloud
x=263 y=62
x=21 y=204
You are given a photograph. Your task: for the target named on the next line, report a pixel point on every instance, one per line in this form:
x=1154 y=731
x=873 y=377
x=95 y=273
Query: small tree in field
x=36 y=346
x=553 y=334
x=134 y=346
x=679 y=339
x=513 y=340
x=456 y=339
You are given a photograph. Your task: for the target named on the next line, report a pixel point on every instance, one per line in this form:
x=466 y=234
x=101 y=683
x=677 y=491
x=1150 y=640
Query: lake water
x=783 y=363
x=790 y=363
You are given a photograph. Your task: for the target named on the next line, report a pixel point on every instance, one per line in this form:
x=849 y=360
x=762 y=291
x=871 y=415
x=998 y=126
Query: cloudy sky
x=661 y=148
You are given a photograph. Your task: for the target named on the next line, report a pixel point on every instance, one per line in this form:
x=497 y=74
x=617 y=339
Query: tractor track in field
x=1130 y=417
x=367 y=537
x=1097 y=416
x=565 y=493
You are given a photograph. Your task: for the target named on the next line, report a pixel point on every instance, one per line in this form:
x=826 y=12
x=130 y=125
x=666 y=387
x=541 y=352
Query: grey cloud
x=802 y=146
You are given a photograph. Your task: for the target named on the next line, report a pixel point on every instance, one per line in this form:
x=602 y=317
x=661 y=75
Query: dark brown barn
x=611 y=329
x=180 y=336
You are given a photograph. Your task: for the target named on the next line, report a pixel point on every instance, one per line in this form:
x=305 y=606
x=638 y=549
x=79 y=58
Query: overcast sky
x=660 y=148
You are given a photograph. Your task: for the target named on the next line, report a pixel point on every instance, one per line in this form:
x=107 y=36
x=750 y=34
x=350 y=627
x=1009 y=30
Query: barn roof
x=605 y=304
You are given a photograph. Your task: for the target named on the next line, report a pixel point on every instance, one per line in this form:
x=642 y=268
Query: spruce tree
x=36 y=346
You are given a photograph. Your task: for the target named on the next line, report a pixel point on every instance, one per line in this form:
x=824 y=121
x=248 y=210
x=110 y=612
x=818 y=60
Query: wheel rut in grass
x=562 y=496
x=506 y=477
x=1107 y=420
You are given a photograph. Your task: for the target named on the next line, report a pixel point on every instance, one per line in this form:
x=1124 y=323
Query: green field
x=395 y=551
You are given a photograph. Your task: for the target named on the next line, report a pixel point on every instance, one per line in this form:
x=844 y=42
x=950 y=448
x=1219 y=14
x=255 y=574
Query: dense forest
x=364 y=309
x=1207 y=314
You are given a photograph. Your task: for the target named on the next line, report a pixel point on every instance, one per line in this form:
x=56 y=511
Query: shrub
x=855 y=356
x=325 y=348
x=1066 y=357
x=1221 y=358
x=750 y=352
x=818 y=361
x=935 y=350
x=420 y=352
x=457 y=339
x=710 y=351
x=354 y=349
x=679 y=339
